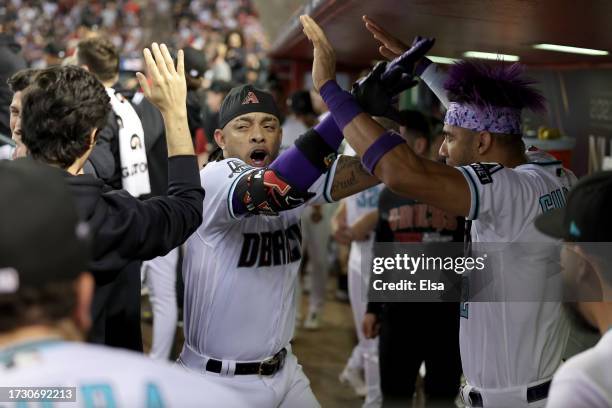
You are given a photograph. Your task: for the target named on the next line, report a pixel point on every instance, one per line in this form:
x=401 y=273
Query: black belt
x=267 y=367
x=535 y=393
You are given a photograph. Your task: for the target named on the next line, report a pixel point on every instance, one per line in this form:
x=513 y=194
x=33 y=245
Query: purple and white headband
x=494 y=120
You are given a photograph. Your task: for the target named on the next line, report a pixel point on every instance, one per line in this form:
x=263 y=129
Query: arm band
x=434 y=77
x=342 y=106
x=312 y=155
x=379 y=148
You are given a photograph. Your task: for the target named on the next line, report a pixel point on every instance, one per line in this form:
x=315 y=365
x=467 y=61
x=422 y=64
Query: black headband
x=246 y=99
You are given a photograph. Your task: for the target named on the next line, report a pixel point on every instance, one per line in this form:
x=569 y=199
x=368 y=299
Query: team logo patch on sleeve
x=484 y=170
x=237 y=167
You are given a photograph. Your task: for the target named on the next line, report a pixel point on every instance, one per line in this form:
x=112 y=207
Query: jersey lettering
x=554 y=199
x=98 y=396
x=484 y=170
x=271 y=248
x=420 y=216
x=154 y=398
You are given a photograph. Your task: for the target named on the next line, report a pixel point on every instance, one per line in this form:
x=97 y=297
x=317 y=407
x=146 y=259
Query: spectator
x=214 y=97
x=54 y=54
x=123 y=130
x=236 y=55
x=12 y=61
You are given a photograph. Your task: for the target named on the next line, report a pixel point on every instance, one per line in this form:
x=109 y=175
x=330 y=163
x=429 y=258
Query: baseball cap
x=54 y=49
x=301 y=104
x=195 y=62
x=41 y=238
x=219 y=86
x=586 y=216
x=246 y=99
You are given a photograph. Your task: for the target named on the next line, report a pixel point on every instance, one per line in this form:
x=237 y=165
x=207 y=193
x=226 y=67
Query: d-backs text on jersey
x=271 y=248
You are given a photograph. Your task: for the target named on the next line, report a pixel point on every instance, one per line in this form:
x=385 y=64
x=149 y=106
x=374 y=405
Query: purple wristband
x=379 y=148
x=342 y=106
x=296 y=168
x=422 y=66
x=328 y=130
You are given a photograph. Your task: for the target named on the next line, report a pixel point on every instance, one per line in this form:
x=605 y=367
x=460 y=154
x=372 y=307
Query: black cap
x=246 y=99
x=220 y=86
x=301 y=104
x=586 y=217
x=54 y=49
x=41 y=238
x=195 y=62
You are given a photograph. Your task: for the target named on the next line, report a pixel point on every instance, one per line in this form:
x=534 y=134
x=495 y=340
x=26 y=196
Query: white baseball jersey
x=240 y=272
x=506 y=344
x=108 y=377
x=585 y=380
x=356 y=206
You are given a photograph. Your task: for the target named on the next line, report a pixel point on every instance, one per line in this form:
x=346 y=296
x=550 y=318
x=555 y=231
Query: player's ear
x=84 y=289
x=220 y=138
x=485 y=141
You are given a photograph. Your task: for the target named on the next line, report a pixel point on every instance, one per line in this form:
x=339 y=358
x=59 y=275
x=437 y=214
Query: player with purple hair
x=509 y=348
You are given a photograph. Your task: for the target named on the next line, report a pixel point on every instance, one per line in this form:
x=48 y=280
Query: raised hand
x=379 y=98
x=405 y=64
x=391 y=47
x=166 y=88
x=165 y=85
x=324 y=62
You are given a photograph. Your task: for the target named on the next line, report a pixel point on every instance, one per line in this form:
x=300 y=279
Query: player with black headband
x=241 y=265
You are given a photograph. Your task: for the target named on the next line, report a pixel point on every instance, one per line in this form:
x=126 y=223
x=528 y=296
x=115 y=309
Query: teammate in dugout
x=241 y=265
x=45 y=298
x=509 y=350
x=585 y=225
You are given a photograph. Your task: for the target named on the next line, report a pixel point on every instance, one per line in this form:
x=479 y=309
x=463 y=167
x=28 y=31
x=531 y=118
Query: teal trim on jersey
x=475 y=204
x=154 y=397
x=230 y=210
x=6 y=354
x=94 y=393
x=550 y=163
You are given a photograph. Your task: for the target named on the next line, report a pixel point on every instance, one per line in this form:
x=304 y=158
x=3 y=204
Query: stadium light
x=568 y=49
x=443 y=60
x=491 y=56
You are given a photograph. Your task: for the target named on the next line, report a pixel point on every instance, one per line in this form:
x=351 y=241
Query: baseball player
x=585 y=225
x=359 y=213
x=240 y=267
x=509 y=350
x=45 y=297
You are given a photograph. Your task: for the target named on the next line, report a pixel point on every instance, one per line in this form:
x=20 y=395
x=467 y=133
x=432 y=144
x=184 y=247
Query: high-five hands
x=324 y=62
x=391 y=47
x=165 y=86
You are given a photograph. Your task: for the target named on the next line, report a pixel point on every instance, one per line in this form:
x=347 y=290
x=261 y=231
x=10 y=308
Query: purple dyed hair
x=488 y=86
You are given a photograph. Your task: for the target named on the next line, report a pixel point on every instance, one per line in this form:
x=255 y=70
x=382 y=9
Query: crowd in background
x=228 y=32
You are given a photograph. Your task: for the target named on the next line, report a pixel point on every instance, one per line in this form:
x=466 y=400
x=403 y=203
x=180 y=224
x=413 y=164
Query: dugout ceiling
x=502 y=26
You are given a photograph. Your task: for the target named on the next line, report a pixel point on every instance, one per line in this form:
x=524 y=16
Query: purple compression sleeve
x=341 y=104
x=379 y=148
x=294 y=167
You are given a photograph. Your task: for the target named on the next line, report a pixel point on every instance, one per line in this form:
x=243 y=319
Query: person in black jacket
x=62 y=112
